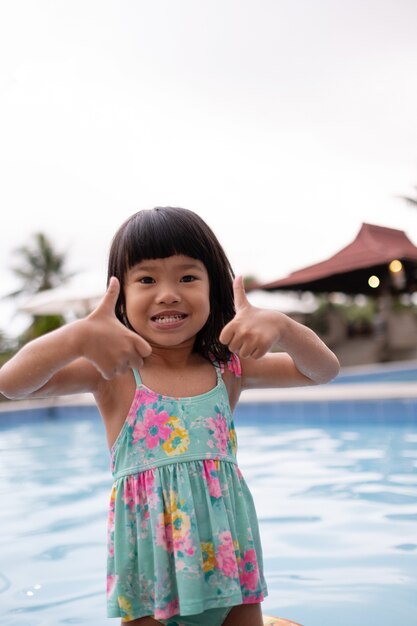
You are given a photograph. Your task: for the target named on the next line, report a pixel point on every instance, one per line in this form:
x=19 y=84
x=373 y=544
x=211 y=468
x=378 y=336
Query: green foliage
x=41 y=325
x=41 y=267
x=356 y=315
x=360 y=313
x=7 y=348
x=317 y=320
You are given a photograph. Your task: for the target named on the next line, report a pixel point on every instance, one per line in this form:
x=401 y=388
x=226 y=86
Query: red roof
x=349 y=269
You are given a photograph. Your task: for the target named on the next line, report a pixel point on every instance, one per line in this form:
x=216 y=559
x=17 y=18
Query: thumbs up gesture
x=107 y=343
x=253 y=331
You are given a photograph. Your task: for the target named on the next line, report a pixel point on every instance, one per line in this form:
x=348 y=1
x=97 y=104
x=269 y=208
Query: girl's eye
x=188 y=279
x=146 y=280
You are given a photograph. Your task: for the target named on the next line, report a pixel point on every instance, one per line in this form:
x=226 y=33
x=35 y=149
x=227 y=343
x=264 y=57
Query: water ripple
x=290 y=519
x=406 y=547
x=337 y=506
x=38 y=608
x=402 y=517
x=4 y=583
x=56 y=553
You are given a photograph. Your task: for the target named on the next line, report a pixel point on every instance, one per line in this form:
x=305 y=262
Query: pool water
x=405 y=371
x=336 y=496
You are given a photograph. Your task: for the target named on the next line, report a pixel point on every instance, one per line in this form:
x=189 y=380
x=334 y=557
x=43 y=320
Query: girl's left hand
x=253 y=331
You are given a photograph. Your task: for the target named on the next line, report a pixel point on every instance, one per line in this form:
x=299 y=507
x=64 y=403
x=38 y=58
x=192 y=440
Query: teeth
x=168 y=320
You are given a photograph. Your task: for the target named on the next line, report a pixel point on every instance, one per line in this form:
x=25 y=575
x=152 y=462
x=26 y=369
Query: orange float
x=278 y=621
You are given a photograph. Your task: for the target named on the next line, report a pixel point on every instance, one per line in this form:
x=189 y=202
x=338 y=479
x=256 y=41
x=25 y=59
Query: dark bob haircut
x=163 y=232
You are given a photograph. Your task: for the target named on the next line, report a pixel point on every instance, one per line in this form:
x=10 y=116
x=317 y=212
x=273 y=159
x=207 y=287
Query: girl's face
x=168 y=300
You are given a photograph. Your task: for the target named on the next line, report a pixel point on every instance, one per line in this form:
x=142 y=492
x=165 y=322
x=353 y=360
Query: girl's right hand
x=107 y=343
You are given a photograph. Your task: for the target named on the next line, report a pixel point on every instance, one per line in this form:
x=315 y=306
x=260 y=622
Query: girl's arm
x=76 y=357
x=305 y=359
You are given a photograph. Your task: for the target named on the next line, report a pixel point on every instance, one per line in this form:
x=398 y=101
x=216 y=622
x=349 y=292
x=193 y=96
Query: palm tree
x=41 y=266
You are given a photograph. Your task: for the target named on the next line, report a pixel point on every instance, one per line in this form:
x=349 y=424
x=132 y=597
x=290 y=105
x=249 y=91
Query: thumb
x=239 y=293
x=109 y=300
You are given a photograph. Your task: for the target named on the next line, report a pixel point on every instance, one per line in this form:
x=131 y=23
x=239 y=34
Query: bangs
x=158 y=234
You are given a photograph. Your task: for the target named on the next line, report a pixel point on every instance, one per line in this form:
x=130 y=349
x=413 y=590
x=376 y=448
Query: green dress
x=182 y=534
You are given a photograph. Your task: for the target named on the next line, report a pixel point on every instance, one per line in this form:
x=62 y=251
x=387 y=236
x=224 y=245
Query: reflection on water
x=337 y=506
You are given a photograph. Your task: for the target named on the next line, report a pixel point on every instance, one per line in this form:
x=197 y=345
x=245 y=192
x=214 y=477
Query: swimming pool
x=335 y=489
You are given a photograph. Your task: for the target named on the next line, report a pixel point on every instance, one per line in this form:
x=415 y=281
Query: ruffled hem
x=195 y=608
x=183 y=538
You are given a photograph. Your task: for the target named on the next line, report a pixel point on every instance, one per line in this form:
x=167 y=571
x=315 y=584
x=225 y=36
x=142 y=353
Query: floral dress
x=182 y=533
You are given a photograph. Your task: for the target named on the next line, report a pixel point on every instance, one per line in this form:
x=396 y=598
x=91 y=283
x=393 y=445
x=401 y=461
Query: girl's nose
x=167 y=294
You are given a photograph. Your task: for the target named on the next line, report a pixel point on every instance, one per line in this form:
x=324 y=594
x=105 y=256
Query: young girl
x=166 y=354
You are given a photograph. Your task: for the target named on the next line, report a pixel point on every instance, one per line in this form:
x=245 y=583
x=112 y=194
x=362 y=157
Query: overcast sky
x=285 y=124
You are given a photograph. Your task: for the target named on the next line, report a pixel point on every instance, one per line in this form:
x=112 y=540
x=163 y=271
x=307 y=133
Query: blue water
x=335 y=490
x=387 y=373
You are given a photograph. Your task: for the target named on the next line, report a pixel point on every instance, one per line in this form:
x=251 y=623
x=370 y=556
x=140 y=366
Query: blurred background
x=285 y=125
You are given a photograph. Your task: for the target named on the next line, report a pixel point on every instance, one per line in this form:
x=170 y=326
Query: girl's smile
x=168 y=300
x=169 y=319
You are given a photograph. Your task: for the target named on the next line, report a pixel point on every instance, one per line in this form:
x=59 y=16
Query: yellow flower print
x=174 y=421
x=177 y=443
x=173 y=501
x=237 y=550
x=179 y=520
x=180 y=524
x=209 y=560
x=126 y=607
x=233 y=440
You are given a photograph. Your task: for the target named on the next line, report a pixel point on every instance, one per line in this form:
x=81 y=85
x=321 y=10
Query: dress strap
x=219 y=370
x=233 y=365
x=137 y=376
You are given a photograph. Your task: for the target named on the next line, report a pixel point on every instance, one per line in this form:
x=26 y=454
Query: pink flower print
x=110 y=549
x=183 y=544
x=110 y=522
x=129 y=494
x=164 y=533
x=249 y=574
x=253 y=599
x=149 y=488
x=110 y=534
x=148 y=480
x=211 y=477
x=170 y=609
x=135 y=496
x=146 y=396
x=111 y=584
x=143 y=397
x=220 y=433
x=234 y=366
x=153 y=429
x=226 y=558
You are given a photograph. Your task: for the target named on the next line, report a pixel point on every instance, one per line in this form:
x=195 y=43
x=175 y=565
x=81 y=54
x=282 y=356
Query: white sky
x=285 y=124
